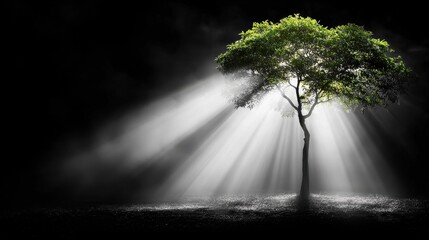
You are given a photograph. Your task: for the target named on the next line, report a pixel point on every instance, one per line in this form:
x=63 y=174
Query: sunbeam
x=193 y=142
x=345 y=157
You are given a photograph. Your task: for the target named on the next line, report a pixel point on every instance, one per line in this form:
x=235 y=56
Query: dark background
x=70 y=67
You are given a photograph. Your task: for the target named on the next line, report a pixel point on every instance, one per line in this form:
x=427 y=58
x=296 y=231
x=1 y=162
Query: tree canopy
x=346 y=63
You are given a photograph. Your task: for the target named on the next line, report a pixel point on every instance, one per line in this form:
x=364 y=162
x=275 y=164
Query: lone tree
x=318 y=64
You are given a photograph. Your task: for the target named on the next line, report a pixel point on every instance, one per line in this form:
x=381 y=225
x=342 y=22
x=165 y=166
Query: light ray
x=193 y=142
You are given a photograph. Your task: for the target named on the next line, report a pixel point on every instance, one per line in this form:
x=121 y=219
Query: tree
x=318 y=64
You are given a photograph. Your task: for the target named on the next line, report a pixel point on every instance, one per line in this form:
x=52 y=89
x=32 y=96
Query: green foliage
x=346 y=63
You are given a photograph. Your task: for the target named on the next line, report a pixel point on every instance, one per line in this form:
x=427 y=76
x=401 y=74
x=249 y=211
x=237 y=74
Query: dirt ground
x=281 y=216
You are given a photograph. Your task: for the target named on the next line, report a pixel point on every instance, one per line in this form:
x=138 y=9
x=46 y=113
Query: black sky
x=74 y=66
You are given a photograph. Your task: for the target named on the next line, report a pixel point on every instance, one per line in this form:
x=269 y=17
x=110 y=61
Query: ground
x=341 y=216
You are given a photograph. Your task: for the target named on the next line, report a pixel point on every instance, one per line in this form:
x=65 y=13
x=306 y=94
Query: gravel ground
x=341 y=216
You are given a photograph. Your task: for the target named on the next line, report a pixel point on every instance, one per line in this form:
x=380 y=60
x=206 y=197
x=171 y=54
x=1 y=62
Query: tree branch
x=286 y=97
x=288 y=81
x=324 y=101
x=315 y=103
x=298 y=97
x=316 y=100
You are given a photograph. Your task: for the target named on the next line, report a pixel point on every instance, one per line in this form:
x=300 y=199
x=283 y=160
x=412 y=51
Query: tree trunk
x=305 y=184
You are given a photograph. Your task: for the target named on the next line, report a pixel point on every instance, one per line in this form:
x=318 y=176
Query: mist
x=124 y=103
